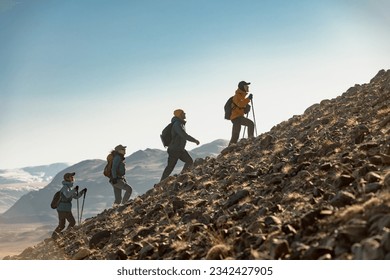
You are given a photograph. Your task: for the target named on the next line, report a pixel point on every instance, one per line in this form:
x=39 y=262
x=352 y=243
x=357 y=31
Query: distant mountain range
x=18 y=181
x=25 y=175
x=144 y=169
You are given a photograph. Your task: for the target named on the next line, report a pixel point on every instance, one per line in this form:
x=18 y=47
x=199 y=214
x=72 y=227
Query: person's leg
x=61 y=222
x=69 y=217
x=187 y=159
x=251 y=126
x=172 y=160
x=117 y=193
x=235 y=130
x=122 y=185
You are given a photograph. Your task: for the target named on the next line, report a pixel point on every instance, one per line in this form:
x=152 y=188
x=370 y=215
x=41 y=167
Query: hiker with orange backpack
x=64 y=208
x=240 y=106
x=116 y=172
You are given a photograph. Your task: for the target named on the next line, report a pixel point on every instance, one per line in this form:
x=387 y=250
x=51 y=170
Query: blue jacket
x=67 y=194
x=118 y=166
x=179 y=135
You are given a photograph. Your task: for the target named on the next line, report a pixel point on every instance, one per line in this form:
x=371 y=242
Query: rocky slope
x=143 y=170
x=316 y=186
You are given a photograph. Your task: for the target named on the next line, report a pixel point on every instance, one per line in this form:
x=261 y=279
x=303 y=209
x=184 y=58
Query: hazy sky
x=78 y=77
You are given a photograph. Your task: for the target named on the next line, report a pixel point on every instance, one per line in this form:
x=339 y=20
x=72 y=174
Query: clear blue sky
x=78 y=77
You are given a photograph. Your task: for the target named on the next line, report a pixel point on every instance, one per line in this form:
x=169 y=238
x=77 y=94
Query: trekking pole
x=78 y=213
x=243 y=134
x=254 y=118
x=82 y=206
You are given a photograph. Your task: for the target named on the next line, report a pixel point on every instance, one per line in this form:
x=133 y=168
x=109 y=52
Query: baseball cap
x=120 y=147
x=67 y=175
x=242 y=84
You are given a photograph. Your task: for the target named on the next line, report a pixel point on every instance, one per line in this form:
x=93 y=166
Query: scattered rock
x=386 y=180
x=218 y=252
x=368 y=249
x=235 y=198
x=82 y=254
x=279 y=248
x=344 y=180
x=99 y=239
x=342 y=198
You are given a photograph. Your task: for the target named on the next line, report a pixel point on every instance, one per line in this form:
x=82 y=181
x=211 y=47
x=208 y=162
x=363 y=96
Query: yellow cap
x=178 y=113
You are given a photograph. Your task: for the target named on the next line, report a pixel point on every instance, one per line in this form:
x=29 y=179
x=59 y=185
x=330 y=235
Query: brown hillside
x=315 y=187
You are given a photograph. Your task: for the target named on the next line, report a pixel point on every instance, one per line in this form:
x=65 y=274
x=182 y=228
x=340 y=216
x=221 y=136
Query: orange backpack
x=108 y=167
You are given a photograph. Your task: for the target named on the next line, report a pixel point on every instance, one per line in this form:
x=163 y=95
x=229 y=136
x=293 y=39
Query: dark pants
x=173 y=157
x=62 y=218
x=237 y=123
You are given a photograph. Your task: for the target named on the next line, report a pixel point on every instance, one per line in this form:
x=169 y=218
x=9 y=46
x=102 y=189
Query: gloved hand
x=76 y=188
x=84 y=191
x=250 y=96
x=114 y=180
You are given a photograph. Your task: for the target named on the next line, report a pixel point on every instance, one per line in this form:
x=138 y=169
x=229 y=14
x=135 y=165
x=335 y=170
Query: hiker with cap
x=64 y=209
x=117 y=178
x=176 y=148
x=239 y=108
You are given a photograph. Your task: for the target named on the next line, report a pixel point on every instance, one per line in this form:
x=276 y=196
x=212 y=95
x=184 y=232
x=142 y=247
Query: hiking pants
x=173 y=157
x=64 y=216
x=237 y=123
x=118 y=187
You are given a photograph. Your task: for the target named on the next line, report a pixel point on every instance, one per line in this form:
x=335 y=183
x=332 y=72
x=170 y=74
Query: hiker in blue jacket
x=64 y=208
x=176 y=149
x=118 y=180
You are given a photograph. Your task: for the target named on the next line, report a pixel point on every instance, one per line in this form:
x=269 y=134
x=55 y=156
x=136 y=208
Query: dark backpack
x=229 y=106
x=166 y=135
x=56 y=200
x=108 y=167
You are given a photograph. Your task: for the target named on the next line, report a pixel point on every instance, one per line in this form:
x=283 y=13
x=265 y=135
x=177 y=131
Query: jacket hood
x=174 y=119
x=68 y=184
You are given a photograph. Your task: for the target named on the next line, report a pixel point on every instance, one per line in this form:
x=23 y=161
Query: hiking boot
x=55 y=235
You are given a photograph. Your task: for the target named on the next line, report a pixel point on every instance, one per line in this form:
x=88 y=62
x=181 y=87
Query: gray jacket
x=67 y=194
x=179 y=135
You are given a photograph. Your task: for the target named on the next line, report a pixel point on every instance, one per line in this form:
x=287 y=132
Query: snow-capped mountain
x=42 y=173
x=14 y=183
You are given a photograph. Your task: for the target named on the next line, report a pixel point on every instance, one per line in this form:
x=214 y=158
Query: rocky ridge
x=316 y=186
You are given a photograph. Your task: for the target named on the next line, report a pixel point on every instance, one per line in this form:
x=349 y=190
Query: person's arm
x=241 y=101
x=68 y=192
x=79 y=194
x=181 y=132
